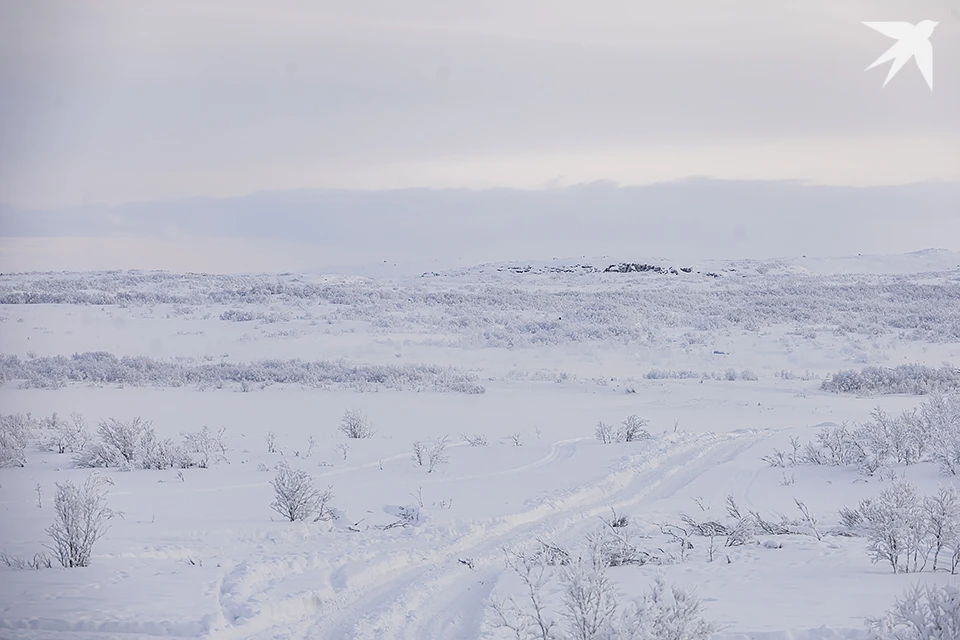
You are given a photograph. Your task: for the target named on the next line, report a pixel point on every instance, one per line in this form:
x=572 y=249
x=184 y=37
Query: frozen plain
x=555 y=347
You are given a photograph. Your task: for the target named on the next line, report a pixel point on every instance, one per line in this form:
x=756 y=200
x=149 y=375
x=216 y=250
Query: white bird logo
x=913 y=42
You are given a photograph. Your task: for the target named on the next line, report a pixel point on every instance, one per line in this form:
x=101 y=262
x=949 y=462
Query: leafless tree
x=296 y=497
x=354 y=424
x=809 y=518
x=632 y=429
x=419 y=452
x=532 y=619
x=588 y=595
x=437 y=454
x=605 y=432
x=81 y=519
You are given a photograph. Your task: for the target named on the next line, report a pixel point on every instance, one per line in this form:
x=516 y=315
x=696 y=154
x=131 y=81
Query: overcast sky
x=111 y=102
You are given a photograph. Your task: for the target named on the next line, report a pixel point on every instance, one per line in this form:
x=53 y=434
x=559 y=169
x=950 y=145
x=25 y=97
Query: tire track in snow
x=433 y=606
x=426 y=593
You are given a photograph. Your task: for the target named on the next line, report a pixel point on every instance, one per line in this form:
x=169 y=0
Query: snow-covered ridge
x=924 y=261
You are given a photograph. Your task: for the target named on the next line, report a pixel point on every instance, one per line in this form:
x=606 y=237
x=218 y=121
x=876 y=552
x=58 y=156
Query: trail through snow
x=429 y=593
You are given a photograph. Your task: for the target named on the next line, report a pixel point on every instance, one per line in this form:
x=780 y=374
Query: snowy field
x=723 y=363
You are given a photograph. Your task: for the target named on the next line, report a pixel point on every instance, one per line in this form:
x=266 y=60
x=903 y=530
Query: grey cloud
x=107 y=94
x=688 y=219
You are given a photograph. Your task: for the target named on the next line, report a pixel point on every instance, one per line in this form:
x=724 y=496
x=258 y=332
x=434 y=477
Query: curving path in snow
x=428 y=592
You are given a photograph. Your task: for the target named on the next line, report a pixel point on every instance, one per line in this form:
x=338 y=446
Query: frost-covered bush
x=116 y=444
x=475 y=440
x=15 y=433
x=836 y=446
x=206 y=446
x=354 y=424
x=502 y=314
x=606 y=433
x=81 y=520
x=930 y=612
x=437 y=454
x=159 y=454
x=939 y=419
x=914 y=379
x=667 y=613
x=36 y=562
x=909 y=531
x=942 y=521
x=106 y=368
x=896 y=528
x=633 y=428
x=132 y=445
x=617 y=544
x=64 y=436
x=589 y=597
x=296 y=497
x=665 y=374
x=590 y=608
x=931 y=433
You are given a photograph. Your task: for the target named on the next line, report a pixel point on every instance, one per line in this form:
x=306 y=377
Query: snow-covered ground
x=724 y=360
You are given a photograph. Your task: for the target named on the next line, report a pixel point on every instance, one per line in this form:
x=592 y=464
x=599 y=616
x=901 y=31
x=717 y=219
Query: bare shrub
x=942 y=513
x=154 y=453
x=531 y=619
x=208 y=448
x=839 y=446
x=419 y=452
x=63 y=436
x=297 y=498
x=36 y=562
x=589 y=604
x=605 y=432
x=632 y=429
x=709 y=529
x=476 y=440
x=667 y=613
x=116 y=444
x=940 y=419
x=271 y=440
x=549 y=553
x=617 y=546
x=588 y=596
x=679 y=535
x=742 y=532
x=437 y=454
x=776 y=459
x=810 y=519
x=851 y=518
x=923 y=613
x=15 y=432
x=81 y=519
x=354 y=424
x=895 y=527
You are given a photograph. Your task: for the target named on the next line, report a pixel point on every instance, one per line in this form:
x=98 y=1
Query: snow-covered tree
x=942 y=514
x=896 y=527
x=81 y=520
x=633 y=428
x=207 y=448
x=588 y=595
x=923 y=613
x=15 y=432
x=666 y=613
x=296 y=497
x=63 y=436
x=355 y=424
